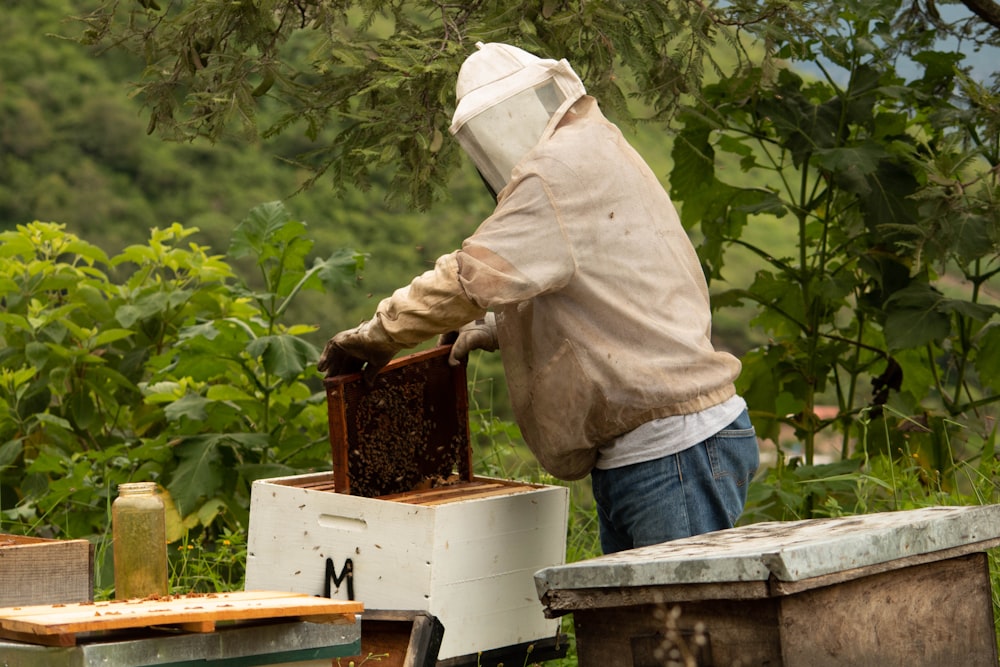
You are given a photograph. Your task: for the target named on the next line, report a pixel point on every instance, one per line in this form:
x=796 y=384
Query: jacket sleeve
x=433 y=303
x=519 y=252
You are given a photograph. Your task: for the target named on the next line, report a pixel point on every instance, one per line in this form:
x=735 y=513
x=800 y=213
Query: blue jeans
x=698 y=490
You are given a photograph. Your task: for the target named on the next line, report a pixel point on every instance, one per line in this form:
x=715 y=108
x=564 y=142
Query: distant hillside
x=74 y=150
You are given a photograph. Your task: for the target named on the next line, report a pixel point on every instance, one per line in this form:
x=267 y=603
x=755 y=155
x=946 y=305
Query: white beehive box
x=466 y=554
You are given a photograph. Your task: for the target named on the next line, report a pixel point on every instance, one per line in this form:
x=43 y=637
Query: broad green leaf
x=36 y=353
x=914 y=316
x=207 y=366
x=284 y=356
x=207 y=330
x=137 y=254
x=177 y=526
x=694 y=162
x=49 y=460
x=913 y=327
x=15 y=321
x=112 y=335
x=976 y=311
x=299 y=330
x=8 y=286
x=851 y=166
x=95 y=301
x=253 y=472
x=84 y=412
x=225 y=392
x=987 y=359
x=53 y=420
x=251 y=236
x=341 y=268
x=87 y=251
x=9 y=452
x=209 y=510
x=199 y=472
x=190 y=406
x=143 y=308
x=166 y=390
x=889 y=198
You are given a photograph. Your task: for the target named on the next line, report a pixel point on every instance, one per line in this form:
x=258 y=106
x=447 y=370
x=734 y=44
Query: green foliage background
x=847 y=222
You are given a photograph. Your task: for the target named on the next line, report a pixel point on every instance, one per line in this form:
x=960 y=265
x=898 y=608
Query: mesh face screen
x=409 y=430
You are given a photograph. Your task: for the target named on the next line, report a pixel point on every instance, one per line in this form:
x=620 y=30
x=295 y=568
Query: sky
x=983 y=62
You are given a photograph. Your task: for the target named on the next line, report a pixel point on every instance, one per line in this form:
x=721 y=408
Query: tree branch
x=987 y=10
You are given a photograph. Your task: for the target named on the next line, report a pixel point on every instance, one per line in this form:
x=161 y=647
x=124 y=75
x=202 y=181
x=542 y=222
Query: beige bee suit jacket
x=602 y=308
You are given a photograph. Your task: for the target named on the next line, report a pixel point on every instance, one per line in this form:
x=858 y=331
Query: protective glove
x=366 y=347
x=477 y=335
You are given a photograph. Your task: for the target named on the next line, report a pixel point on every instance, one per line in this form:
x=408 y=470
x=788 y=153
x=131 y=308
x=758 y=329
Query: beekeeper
x=586 y=282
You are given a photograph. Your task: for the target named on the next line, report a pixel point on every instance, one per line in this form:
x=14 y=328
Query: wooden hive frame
x=407 y=431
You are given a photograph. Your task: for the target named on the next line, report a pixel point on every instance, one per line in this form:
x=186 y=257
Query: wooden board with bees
x=408 y=430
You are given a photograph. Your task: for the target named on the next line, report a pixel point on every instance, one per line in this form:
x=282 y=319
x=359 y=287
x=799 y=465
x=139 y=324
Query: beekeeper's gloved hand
x=477 y=335
x=367 y=346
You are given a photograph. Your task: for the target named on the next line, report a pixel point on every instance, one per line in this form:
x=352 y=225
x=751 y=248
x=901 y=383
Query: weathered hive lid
x=788 y=551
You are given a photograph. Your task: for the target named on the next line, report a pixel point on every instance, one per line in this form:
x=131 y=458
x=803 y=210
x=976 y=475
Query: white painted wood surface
x=469 y=562
x=789 y=551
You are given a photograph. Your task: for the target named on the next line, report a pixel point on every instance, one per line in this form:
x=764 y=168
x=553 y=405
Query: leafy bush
x=155 y=364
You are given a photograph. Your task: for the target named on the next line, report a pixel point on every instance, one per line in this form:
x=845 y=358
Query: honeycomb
x=408 y=431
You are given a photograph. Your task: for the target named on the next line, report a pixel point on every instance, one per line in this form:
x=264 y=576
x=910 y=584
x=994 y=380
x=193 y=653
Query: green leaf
x=142 y=308
x=225 y=392
x=252 y=235
x=9 y=452
x=694 y=161
x=976 y=311
x=851 y=166
x=340 y=268
x=209 y=510
x=191 y=406
x=15 y=321
x=914 y=327
x=919 y=314
x=199 y=473
x=987 y=359
x=284 y=356
x=49 y=460
x=207 y=330
x=112 y=335
x=53 y=420
x=37 y=354
x=83 y=411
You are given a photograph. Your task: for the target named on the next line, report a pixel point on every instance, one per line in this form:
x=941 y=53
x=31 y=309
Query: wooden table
x=217 y=630
x=905 y=589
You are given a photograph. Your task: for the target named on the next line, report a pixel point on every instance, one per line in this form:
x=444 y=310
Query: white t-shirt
x=669 y=435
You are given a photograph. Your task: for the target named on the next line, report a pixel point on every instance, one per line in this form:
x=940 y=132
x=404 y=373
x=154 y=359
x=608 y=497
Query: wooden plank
x=193 y=612
x=457 y=492
x=790 y=587
x=558 y=603
x=485 y=492
x=42 y=571
x=197 y=626
x=929 y=615
x=398 y=638
x=60 y=641
x=793 y=551
x=736 y=633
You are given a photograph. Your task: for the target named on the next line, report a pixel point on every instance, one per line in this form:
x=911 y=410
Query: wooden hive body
x=402 y=524
x=467 y=557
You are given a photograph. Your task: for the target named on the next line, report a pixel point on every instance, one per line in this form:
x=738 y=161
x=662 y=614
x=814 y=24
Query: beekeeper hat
x=507 y=98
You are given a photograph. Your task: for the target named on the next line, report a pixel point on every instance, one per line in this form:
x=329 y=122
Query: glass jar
x=138 y=527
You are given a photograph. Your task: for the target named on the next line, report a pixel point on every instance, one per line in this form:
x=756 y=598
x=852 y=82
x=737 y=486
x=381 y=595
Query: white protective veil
x=508 y=99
